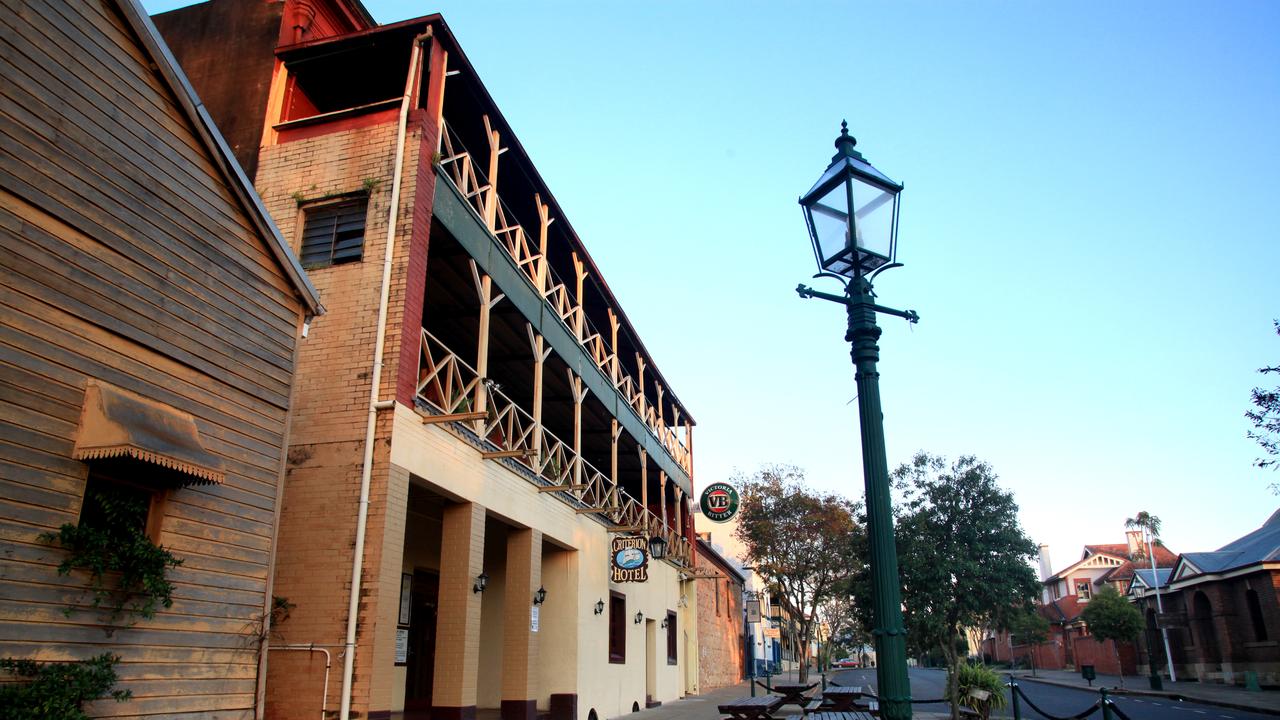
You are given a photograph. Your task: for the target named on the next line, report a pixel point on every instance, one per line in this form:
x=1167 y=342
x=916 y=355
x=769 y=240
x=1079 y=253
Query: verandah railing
x=470 y=181
x=449 y=384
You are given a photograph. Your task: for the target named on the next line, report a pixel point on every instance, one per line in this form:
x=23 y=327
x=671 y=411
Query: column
x=519 y=641
x=458 y=627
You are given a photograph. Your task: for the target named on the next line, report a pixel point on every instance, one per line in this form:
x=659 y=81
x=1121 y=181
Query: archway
x=1206 y=637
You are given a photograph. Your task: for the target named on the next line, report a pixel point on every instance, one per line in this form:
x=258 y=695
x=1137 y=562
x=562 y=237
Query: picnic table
x=751 y=708
x=840 y=699
x=836 y=715
x=793 y=693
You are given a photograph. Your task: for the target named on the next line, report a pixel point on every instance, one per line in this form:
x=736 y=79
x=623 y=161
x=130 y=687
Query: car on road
x=845 y=663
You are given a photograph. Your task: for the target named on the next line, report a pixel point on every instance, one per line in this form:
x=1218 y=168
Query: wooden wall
x=126 y=258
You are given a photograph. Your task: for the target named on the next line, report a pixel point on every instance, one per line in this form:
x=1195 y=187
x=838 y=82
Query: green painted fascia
x=458 y=217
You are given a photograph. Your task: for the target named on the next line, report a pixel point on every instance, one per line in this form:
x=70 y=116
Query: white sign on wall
x=402 y=646
x=533 y=619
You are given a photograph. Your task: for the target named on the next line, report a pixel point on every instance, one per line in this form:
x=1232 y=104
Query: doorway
x=650 y=663
x=422 y=640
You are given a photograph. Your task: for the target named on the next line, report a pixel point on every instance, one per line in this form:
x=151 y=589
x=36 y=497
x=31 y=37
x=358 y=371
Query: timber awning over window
x=116 y=423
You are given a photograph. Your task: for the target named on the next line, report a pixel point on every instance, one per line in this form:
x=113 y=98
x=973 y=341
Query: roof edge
x=212 y=138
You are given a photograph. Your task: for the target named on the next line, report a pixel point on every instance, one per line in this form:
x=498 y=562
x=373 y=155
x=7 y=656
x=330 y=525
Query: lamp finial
x=845 y=143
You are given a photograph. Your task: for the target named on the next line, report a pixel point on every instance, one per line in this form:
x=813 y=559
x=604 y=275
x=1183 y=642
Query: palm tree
x=1150 y=526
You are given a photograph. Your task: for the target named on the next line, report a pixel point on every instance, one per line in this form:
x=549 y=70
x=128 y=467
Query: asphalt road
x=1059 y=701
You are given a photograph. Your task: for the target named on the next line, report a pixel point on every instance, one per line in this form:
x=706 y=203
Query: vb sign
x=629 y=560
x=719 y=502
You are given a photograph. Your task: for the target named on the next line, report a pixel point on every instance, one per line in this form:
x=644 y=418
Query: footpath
x=1228 y=696
x=704 y=706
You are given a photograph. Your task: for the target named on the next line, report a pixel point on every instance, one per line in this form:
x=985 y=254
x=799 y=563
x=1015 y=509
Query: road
x=1060 y=701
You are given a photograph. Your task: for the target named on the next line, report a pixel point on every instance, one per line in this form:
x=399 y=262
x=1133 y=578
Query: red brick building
x=1222 y=612
x=721 y=638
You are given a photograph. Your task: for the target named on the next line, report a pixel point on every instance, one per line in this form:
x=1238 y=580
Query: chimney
x=1045 y=568
x=1136 y=548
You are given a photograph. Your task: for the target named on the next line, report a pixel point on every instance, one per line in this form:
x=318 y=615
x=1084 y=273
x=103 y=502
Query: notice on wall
x=402 y=646
x=533 y=619
x=753 y=611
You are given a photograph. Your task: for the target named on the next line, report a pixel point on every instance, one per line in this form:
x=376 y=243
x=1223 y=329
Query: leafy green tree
x=1265 y=417
x=1029 y=627
x=800 y=541
x=962 y=556
x=1111 y=617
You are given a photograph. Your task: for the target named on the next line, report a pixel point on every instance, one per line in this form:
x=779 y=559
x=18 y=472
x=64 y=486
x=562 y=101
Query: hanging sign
x=753 y=611
x=719 y=502
x=629 y=559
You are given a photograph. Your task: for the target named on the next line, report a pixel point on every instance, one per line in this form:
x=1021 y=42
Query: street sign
x=719 y=502
x=753 y=611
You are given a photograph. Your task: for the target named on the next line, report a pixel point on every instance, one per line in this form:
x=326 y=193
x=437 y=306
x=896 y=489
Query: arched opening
x=1202 y=621
x=1155 y=648
x=1255 y=615
x=635 y=706
x=591 y=715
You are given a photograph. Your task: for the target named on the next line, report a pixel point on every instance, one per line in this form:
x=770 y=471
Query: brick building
x=477 y=420
x=721 y=639
x=1221 y=610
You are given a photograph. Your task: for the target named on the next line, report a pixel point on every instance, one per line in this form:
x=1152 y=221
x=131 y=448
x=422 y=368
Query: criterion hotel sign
x=629 y=560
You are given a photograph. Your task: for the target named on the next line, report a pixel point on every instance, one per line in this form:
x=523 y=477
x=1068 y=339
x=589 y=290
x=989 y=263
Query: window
x=333 y=232
x=116 y=507
x=617 y=627
x=671 y=638
x=716 y=585
x=1084 y=589
x=1255 y=615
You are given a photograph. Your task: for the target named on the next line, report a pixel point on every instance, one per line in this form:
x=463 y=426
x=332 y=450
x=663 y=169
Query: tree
x=963 y=558
x=1265 y=417
x=1146 y=522
x=800 y=541
x=1030 y=628
x=1111 y=617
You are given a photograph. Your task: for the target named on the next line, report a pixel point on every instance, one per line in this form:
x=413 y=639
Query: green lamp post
x=852 y=214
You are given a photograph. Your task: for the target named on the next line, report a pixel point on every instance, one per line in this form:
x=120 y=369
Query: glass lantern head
x=852 y=213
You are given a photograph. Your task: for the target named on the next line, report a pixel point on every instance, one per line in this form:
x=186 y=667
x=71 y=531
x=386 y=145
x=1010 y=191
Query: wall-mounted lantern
x=639 y=617
x=540 y=596
x=600 y=606
x=481 y=581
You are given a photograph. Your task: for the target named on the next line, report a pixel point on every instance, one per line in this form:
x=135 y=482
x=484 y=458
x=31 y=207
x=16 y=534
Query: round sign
x=719 y=502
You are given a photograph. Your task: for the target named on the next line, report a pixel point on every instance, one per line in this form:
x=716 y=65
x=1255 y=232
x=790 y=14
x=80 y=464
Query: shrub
x=57 y=691
x=970 y=677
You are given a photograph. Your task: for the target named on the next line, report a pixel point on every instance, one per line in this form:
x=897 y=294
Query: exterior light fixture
x=852 y=218
x=540 y=596
x=852 y=213
x=481 y=580
x=639 y=617
x=600 y=606
x=657 y=547
x=666 y=622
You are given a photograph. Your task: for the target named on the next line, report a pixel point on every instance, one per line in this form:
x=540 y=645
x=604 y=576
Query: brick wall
x=317 y=532
x=719 y=628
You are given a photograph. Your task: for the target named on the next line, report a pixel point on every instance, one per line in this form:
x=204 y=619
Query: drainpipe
x=366 y=470
x=328 y=662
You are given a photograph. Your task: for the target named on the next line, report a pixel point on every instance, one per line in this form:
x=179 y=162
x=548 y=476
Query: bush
x=970 y=677
x=57 y=691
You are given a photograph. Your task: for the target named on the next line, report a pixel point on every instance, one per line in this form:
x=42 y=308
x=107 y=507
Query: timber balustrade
x=529 y=254
x=452 y=386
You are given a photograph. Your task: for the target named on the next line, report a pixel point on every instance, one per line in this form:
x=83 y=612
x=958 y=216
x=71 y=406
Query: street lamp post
x=852 y=214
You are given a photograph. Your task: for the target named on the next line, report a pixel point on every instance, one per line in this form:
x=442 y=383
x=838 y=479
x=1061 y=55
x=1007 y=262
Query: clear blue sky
x=1089 y=229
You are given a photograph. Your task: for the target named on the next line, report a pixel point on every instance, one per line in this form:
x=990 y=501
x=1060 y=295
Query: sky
x=1089 y=230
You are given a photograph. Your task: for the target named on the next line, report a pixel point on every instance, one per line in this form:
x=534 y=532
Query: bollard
x=1106 y=705
x=1013 y=697
x=768 y=681
x=824 y=682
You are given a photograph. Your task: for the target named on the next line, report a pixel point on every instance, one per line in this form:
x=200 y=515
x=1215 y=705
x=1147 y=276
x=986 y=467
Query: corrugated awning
x=116 y=423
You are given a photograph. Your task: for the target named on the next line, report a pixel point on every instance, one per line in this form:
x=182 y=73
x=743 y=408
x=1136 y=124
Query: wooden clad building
x=150 y=316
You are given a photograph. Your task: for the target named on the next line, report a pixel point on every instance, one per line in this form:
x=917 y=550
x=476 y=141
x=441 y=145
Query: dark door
x=422 y=640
